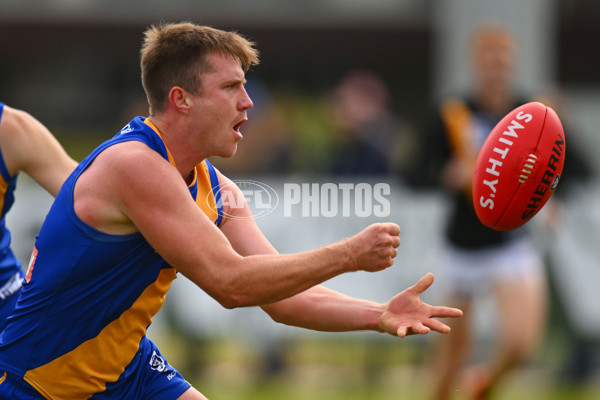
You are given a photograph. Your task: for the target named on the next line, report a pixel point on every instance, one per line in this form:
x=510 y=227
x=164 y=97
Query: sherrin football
x=518 y=167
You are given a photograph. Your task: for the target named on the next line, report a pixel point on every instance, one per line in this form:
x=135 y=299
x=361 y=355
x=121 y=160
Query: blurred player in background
x=478 y=260
x=25 y=145
x=370 y=138
x=145 y=205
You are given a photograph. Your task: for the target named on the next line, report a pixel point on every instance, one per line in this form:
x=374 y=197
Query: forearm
x=264 y=279
x=372 y=249
x=323 y=309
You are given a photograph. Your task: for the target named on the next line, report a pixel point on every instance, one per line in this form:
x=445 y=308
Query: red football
x=518 y=167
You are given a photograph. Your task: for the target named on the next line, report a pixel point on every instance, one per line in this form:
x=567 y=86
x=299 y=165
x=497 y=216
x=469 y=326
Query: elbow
x=232 y=296
x=284 y=311
x=227 y=287
x=282 y=318
x=231 y=301
x=233 y=286
x=272 y=310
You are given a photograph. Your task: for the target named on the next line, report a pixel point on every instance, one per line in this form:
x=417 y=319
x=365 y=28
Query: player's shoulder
x=224 y=180
x=15 y=122
x=131 y=155
x=130 y=171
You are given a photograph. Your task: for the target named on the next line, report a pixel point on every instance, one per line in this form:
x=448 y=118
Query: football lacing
x=528 y=168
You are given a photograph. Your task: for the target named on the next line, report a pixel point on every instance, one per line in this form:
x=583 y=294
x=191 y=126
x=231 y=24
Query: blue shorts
x=147 y=377
x=13 y=387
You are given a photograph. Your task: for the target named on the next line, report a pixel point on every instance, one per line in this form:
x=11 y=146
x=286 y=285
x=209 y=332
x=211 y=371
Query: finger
x=393 y=229
x=437 y=326
x=402 y=331
x=446 y=312
x=423 y=283
x=396 y=241
x=419 y=328
x=388 y=262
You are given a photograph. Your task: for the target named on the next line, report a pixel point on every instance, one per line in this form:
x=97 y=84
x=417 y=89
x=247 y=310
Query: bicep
x=154 y=196
x=34 y=150
x=51 y=168
x=239 y=226
x=247 y=239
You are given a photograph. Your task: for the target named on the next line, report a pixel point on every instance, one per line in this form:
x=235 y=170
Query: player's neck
x=184 y=158
x=495 y=100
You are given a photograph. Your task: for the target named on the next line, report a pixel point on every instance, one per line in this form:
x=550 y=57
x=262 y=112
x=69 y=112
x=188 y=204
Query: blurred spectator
x=476 y=260
x=370 y=139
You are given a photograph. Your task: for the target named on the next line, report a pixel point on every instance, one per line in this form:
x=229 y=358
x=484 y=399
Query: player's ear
x=178 y=98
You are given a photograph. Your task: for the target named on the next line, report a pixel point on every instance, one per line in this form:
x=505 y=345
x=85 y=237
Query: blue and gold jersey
x=90 y=296
x=9 y=265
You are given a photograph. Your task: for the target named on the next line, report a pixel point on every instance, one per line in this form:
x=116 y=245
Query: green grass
x=330 y=367
x=337 y=384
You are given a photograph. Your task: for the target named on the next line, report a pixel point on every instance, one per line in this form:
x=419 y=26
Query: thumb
x=423 y=283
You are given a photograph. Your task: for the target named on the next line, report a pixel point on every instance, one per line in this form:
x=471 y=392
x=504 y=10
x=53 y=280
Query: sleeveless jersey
x=89 y=296
x=9 y=264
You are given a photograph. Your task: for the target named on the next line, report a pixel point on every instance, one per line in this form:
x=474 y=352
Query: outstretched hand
x=405 y=314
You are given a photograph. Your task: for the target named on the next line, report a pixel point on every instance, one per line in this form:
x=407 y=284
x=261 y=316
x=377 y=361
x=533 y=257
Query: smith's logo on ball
x=501 y=149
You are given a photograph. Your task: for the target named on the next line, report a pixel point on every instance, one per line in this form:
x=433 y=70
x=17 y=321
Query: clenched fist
x=374 y=248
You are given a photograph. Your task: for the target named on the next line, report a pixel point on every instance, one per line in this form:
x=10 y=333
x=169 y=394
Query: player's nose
x=245 y=102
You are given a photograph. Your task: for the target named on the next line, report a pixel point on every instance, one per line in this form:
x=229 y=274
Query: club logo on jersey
x=128 y=128
x=31 y=264
x=157 y=363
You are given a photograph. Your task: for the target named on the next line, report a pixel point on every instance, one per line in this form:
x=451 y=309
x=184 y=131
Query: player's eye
x=233 y=85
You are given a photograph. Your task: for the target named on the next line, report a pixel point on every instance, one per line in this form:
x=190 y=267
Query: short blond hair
x=173 y=54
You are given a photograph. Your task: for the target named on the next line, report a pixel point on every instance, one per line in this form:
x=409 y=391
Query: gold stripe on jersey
x=3 y=189
x=155 y=129
x=87 y=369
x=205 y=199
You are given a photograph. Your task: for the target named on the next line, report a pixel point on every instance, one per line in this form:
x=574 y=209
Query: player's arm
x=27 y=145
x=128 y=184
x=318 y=307
x=323 y=309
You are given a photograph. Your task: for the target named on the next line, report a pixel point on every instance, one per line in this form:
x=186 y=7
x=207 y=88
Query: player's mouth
x=236 y=127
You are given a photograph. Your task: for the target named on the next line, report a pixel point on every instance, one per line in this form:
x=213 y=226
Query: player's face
x=494 y=61
x=220 y=106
